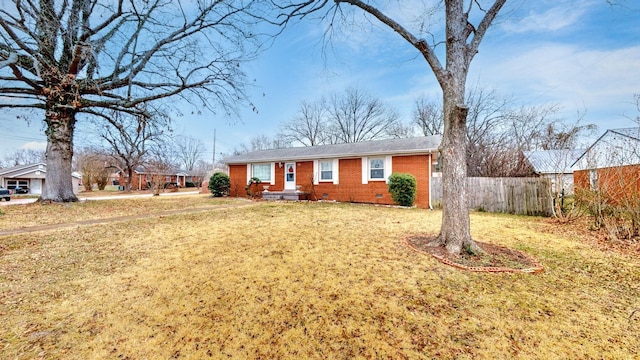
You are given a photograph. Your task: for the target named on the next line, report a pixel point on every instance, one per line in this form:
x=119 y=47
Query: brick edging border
x=538 y=268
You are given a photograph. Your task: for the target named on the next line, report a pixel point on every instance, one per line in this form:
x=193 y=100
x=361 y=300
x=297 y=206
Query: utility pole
x=214 y=150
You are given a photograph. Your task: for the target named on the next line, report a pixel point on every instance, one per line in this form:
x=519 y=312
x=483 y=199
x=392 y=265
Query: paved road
x=18 y=201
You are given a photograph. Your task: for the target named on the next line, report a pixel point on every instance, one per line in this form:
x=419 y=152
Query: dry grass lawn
x=304 y=280
x=36 y=214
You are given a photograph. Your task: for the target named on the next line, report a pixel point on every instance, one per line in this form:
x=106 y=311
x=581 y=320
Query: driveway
x=19 y=201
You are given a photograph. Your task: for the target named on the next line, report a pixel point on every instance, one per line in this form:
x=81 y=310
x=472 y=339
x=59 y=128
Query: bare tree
x=356 y=116
x=400 y=130
x=129 y=139
x=562 y=135
x=189 y=151
x=461 y=41
x=636 y=97
x=24 y=157
x=160 y=163
x=427 y=115
x=94 y=165
x=69 y=57
x=486 y=141
x=262 y=142
x=309 y=127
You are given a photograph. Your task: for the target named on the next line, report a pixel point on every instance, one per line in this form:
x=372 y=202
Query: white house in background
x=31 y=176
x=557 y=166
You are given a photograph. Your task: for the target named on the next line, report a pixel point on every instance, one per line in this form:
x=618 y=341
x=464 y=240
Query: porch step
x=285 y=195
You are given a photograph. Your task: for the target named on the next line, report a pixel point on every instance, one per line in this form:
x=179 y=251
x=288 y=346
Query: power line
x=17 y=137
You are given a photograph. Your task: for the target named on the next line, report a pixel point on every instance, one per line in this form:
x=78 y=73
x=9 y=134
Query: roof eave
x=342 y=156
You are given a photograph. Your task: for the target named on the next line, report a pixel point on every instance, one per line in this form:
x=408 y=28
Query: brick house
x=142 y=178
x=611 y=165
x=354 y=172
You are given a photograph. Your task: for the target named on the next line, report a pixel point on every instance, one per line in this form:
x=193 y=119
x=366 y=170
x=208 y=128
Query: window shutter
x=365 y=170
x=316 y=172
x=273 y=173
x=388 y=162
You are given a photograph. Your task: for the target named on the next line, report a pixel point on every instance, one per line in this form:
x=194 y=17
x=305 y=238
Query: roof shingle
x=417 y=145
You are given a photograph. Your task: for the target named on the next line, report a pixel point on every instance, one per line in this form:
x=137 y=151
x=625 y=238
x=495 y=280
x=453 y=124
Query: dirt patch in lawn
x=495 y=259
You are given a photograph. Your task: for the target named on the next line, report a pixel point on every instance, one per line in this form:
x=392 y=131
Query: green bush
x=219 y=184
x=402 y=188
x=189 y=184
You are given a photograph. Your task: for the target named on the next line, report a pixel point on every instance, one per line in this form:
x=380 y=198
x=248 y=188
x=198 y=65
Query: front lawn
x=308 y=280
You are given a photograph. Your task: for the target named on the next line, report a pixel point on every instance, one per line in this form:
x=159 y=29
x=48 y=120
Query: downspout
x=430 y=178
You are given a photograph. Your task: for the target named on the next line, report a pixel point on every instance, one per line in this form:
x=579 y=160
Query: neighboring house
x=353 y=172
x=612 y=164
x=143 y=178
x=556 y=165
x=31 y=176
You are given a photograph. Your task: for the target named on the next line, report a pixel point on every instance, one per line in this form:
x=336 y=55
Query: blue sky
x=583 y=55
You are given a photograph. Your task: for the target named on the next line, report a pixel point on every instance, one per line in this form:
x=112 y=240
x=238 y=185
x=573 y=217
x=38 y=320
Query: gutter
x=430 y=178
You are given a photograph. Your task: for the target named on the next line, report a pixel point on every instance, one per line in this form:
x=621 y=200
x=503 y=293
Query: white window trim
x=317 y=171
x=388 y=170
x=366 y=171
x=273 y=172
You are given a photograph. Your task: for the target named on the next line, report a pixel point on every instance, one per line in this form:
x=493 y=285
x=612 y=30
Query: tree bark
x=455 y=233
x=129 y=179
x=58 y=184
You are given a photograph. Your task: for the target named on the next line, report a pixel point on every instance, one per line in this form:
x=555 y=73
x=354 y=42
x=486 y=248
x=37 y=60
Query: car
x=5 y=194
x=21 y=190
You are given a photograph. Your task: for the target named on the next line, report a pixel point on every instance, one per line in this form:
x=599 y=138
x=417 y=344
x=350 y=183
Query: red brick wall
x=618 y=183
x=238 y=180
x=581 y=180
x=418 y=166
x=350 y=187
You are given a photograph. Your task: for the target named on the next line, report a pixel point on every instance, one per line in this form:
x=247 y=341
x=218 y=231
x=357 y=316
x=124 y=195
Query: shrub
x=253 y=188
x=189 y=184
x=219 y=184
x=402 y=188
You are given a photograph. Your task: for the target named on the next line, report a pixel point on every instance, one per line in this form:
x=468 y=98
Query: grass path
x=318 y=281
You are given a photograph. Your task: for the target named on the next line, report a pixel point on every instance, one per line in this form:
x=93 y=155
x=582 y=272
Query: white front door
x=290 y=176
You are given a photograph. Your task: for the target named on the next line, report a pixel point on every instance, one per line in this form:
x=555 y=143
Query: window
x=12 y=184
x=376 y=168
x=326 y=170
x=262 y=172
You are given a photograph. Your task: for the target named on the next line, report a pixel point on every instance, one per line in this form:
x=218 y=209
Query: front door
x=290 y=176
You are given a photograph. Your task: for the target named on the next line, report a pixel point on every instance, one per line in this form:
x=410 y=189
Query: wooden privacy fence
x=523 y=196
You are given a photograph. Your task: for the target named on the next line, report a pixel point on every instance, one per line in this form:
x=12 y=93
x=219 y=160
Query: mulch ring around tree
x=495 y=259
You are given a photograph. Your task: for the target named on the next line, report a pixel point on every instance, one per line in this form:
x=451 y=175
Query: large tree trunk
x=129 y=179
x=58 y=185
x=455 y=233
